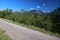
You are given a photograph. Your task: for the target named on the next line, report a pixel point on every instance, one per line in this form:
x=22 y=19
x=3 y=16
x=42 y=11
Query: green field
x=3 y=36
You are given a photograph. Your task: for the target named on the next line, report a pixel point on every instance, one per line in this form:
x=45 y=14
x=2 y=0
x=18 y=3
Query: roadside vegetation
x=3 y=36
x=35 y=19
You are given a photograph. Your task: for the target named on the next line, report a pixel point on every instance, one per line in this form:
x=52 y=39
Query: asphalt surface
x=17 y=32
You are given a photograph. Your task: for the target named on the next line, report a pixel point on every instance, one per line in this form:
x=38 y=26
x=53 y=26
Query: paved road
x=22 y=33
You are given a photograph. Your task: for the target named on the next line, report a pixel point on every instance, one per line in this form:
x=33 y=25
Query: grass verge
x=3 y=36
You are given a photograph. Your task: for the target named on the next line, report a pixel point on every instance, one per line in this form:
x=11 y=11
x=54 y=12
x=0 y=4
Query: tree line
x=50 y=21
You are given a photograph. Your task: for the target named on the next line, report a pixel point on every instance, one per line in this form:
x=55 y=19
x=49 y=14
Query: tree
x=56 y=21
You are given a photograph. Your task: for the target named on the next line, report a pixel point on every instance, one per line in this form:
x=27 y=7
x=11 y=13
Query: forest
x=48 y=21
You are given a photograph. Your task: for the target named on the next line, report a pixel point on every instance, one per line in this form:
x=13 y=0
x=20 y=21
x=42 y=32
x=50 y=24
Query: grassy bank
x=3 y=36
x=33 y=27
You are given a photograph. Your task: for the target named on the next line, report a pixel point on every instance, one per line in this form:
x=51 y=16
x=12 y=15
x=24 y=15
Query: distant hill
x=37 y=11
x=55 y=11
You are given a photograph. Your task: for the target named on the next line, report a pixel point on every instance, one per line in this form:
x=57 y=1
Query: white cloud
x=31 y=8
x=38 y=6
x=44 y=11
x=44 y=4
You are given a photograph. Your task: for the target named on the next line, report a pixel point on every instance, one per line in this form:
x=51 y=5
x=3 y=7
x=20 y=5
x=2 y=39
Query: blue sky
x=43 y=5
